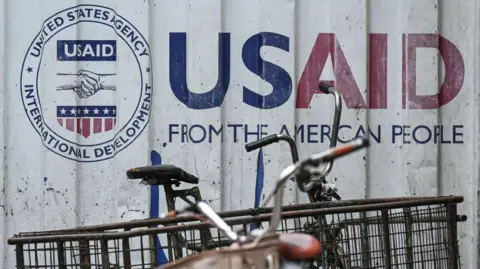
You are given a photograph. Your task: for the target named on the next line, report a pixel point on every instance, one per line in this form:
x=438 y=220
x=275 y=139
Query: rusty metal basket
x=406 y=233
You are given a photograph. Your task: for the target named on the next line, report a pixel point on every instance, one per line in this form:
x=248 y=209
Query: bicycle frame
x=329 y=235
x=170 y=196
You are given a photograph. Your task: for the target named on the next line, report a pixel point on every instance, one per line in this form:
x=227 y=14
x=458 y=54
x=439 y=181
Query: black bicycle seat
x=161 y=174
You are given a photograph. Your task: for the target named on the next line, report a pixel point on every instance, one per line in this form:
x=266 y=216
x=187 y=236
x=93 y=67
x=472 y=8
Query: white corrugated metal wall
x=211 y=63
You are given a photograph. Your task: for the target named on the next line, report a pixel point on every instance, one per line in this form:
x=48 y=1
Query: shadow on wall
x=156 y=159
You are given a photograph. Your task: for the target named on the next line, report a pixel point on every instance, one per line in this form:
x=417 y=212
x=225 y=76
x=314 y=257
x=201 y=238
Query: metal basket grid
x=403 y=233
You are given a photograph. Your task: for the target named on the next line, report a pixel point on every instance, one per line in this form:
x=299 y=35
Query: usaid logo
x=85 y=102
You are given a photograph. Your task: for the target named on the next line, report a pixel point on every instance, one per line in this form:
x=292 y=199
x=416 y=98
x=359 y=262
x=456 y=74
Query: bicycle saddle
x=161 y=174
x=299 y=246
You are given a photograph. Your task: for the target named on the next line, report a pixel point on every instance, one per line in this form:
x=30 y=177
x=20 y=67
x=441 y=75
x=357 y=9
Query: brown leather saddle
x=299 y=246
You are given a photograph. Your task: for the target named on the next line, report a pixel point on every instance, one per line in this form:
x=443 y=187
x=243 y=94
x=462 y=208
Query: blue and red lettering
x=326 y=44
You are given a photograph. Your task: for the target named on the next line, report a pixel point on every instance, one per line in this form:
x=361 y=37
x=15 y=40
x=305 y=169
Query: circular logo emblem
x=85 y=83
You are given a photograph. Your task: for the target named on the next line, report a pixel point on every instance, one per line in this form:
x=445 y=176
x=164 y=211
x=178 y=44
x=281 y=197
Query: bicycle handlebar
x=336 y=152
x=219 y=222
x=325 y=88
x=274 y=138
x=262 y=142
x=213 y=218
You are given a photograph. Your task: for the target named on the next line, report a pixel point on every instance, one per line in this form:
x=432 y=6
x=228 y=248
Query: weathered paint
x=248 y=68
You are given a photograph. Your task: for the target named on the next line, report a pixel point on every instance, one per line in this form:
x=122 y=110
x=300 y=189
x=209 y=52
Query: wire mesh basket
x=370 y=233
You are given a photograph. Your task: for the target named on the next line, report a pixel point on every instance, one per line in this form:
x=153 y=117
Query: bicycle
x=414 y=232
x=293 y=251
x=170 y=175
x=318 y=189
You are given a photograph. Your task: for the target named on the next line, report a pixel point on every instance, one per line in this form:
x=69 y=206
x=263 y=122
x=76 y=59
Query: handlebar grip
x=323 y=87
x=350 y=147
x=338 y=151
x=262 y=142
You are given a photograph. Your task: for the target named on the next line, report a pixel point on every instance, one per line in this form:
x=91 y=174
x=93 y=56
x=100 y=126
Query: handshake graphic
x=87 y=83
